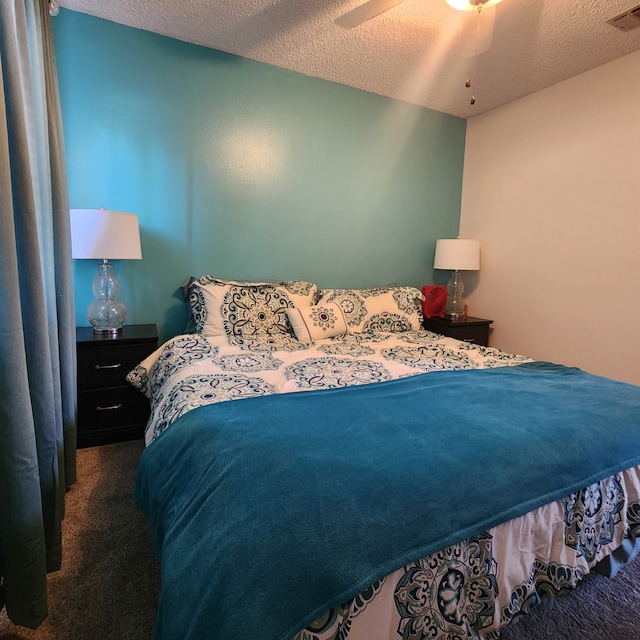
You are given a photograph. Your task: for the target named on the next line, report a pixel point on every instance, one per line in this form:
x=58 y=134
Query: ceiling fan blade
x=365 y=12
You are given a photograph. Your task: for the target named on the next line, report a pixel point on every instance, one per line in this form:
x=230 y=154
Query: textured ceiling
x=420 y=51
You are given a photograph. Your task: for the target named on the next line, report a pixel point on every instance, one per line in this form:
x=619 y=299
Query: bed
x=376 y=481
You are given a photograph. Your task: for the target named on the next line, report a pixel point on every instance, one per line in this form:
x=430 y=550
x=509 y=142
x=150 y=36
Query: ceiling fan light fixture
x=470 y=5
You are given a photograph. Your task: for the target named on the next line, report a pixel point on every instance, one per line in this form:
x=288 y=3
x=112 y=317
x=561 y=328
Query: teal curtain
x=37 y=327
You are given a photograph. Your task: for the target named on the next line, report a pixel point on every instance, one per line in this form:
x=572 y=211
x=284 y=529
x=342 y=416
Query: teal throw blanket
x=269 y=511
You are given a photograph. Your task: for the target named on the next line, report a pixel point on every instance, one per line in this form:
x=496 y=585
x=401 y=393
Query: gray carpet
x=109 y=582
x=599 y=609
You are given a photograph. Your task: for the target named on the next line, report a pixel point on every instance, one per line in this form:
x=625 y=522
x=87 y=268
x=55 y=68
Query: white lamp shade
x=457 y=254
x=469 y=5
x=100 y=234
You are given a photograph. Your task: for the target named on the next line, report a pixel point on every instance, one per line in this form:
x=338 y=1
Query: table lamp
x=456 y=254
x=105 y=235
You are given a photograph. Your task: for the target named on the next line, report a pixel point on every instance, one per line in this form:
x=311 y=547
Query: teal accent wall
x=239 y=169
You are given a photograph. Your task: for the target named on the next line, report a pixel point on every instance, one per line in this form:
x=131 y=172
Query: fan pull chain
x=467 y=84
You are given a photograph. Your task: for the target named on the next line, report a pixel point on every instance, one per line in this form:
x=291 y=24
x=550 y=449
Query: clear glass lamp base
x=456 y=303
x=107 y=314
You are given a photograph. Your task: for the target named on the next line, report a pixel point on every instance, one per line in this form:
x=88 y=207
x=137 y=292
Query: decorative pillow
x=246 y=309
x=317 y=322
x=386 y=309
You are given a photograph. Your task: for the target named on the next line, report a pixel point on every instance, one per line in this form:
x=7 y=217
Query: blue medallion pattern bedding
x=194 y=369
x=464 y=589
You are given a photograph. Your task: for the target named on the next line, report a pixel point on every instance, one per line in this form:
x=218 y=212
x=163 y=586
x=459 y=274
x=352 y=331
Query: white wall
x=552 y=190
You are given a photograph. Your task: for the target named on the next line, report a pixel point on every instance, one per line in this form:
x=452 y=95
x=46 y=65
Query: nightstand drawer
x=113 y=407
x=476 y=335
x=108 y=366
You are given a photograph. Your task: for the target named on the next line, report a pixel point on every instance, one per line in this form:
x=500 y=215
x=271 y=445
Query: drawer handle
x=112 y=408
x=107 y=366
x=469 y=340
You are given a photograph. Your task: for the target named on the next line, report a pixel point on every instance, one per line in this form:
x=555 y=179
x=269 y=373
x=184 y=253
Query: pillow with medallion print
x=317 y=322
x=248 y=309
x=378 y=309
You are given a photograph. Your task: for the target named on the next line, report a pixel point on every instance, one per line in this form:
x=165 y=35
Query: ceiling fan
x=373 y=8
x=481 y=36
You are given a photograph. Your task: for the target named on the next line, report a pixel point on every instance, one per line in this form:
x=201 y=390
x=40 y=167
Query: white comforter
x=192 y=370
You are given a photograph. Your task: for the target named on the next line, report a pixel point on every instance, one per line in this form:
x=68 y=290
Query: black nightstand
x=474 y=330
x=109 y=408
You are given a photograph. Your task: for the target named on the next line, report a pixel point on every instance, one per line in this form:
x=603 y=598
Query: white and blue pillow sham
x=258 y=309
